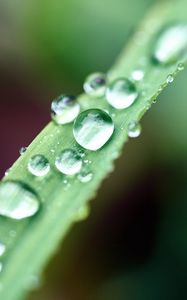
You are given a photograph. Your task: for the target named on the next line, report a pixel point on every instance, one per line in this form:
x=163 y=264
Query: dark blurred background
x=134 y=244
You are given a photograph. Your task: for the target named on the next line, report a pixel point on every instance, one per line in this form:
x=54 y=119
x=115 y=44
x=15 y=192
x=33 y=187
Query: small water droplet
x=93 y=128
x=17 y=200
x=32 y=282
x=137 y=75
x=180 y=66
x=81 y=152
x=7 y=171
x=85 y=176
x=69 y=162
x=82 y=213
x=121 y=93
x=170 y=78
x=64 y=109
x=171 y=44
x=22 y=150
x=134 y=129
x=95 y=84
x=38 y=165
x=2 y=248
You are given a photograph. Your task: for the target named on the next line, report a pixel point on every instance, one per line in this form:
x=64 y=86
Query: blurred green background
x=134 y=244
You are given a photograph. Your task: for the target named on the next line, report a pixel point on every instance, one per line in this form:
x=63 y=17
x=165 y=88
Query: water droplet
x=2 y=248
x=95 y=84
x=82 y=213
x=22 y=150
x=32 y=282
x=137 y=75
x=121 y=93
x=170 y=78
x=38 y=165
x=180 y=66
x=17 y=200
x=93 y=128
x=69 y=162
x=65 y=109
x=7 y=171
x=171 y=44
x=81 y=152
x=85 y=176
x=134 y=129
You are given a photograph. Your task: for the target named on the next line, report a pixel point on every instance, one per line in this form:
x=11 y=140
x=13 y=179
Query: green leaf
x=31 y=242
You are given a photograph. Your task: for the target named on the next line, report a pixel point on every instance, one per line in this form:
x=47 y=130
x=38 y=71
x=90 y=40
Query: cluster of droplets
x=92 y=128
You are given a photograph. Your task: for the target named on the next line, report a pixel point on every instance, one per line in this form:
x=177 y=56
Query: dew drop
x=17 y=200
x=137 y=75
x=64 y=109
x=22 y=150
x=69 y=162
x=180 y=66
x=93 y=128
x=121 y=93
x=81 y=152
x=134 y=129
x=2 y=248
x=38 y=165
x=170 y=78
x=171 y=44
x=95 y=84
x=85 y=177
x=82 y=213
x=32 y=282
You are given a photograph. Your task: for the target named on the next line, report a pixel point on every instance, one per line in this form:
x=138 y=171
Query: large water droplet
x=121 y=93
x=171 y=44
x=134 y=129
x=38 y=165
x=2 y=248
x=69 y=162
x=93 y=128
x=17 y=200
x=95 y=85
x=65 y=109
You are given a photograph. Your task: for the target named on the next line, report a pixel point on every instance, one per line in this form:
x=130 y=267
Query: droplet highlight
x=137 y=75
x=17 y=200
x=95 y=85
x=38 y=165
x=170 y=78
x=85 y=177
x=134 y=129
x=170 y=44
x=93 y=128
x=121 y=93
x=22 y=150
x=64 y=109
x=69 y=162
x=2 y=248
